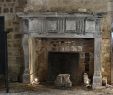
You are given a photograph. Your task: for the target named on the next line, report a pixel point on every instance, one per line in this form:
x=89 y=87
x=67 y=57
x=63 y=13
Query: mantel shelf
x=59 y=25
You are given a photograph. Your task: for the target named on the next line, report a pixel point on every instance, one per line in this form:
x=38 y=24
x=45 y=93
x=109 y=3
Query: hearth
x=63 y=63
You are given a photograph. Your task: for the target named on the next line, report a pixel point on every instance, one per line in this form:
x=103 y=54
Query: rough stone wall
x=8 y=9
x=106 y=48
x=66 y=5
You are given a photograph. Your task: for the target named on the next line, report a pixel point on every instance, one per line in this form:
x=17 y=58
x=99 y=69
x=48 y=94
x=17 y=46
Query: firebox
x=63 y=63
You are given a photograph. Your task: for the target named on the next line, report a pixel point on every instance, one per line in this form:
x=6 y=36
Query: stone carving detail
x=90 y=26
x=63 y=80
x=61 y=25
x=63 y=45
x=52 y=26
x=70 y=25
x=35 y=25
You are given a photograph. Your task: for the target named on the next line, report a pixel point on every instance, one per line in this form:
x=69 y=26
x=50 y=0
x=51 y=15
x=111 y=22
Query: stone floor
x=27 y=89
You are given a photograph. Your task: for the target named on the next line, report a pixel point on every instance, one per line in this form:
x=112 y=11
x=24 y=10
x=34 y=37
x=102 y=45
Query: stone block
x=86 y=80
x=17 y=36
x=14 y=52
x=63 y=80
x=104 y=81
x=14 y=71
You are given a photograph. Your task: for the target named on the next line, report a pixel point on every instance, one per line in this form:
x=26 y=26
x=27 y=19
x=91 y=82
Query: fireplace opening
x=63 y=63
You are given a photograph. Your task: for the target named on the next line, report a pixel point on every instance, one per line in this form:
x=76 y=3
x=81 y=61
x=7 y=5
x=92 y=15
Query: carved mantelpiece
x=57 y=25
x=78 y=25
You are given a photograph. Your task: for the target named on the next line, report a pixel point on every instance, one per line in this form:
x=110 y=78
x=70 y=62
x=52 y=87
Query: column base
x=26 y=78
x=97 y=81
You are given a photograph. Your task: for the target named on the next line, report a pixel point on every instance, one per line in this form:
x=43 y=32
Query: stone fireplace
x=59 y=43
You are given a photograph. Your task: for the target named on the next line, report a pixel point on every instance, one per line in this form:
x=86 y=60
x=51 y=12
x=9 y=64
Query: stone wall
x=8 y=9
x=106 y=48
x=67 y=5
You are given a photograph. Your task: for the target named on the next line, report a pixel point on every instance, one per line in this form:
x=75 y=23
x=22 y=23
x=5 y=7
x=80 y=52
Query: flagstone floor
x=27 y=89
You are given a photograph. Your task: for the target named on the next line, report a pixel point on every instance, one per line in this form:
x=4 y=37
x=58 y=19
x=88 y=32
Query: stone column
x=26 y=76
x=32 y=65
x=97 y=77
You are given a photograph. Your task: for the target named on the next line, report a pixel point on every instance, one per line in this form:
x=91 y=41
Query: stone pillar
x=26 y=76
x=97 y=77
x=32 y=65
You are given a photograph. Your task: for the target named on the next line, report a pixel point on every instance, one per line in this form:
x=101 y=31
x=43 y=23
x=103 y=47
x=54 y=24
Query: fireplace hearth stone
x=63 y=80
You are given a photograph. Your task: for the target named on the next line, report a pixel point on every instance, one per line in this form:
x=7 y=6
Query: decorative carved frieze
x=60 y=25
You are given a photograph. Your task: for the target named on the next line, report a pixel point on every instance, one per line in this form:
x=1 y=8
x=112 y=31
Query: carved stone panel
x=52 y=25
x=70 y=26
x=90 y=26
x=36 y=25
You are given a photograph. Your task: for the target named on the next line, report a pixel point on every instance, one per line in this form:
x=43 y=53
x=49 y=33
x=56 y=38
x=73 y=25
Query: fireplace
x=56 y=43
x=52 y=56
x=63 y=63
